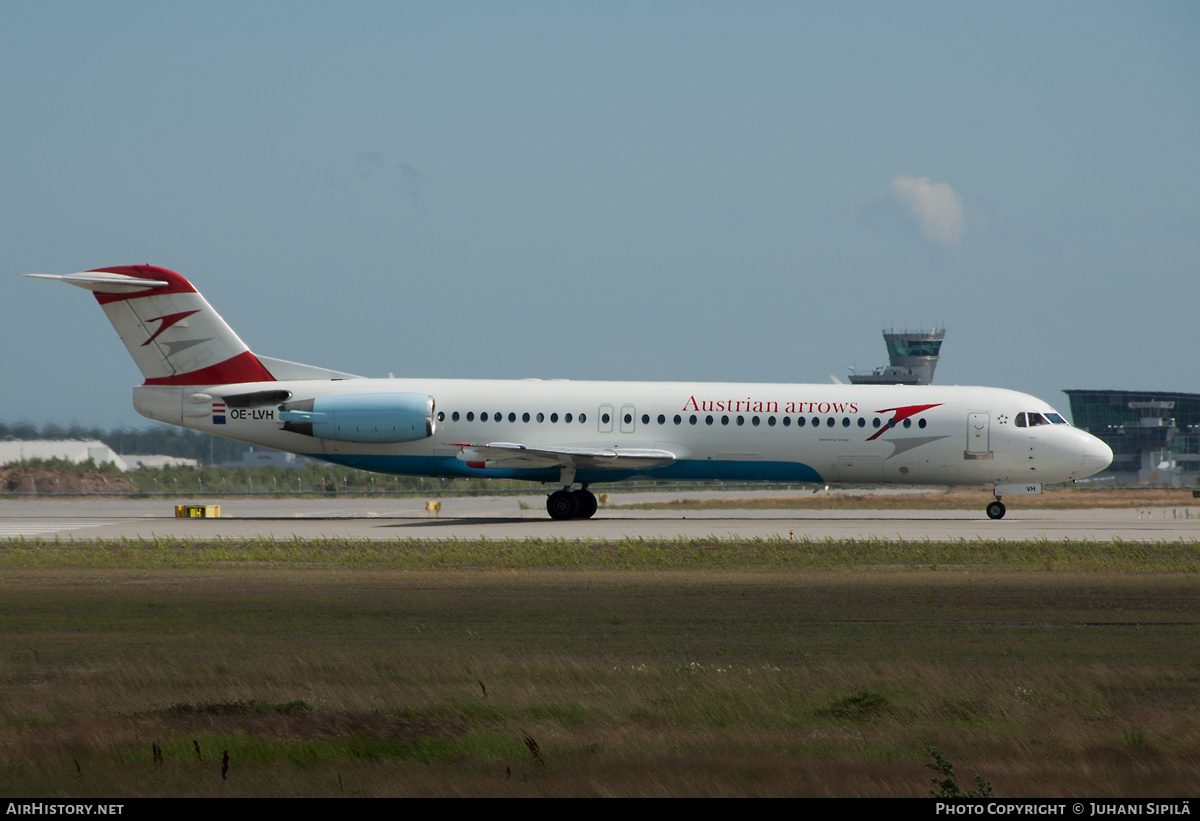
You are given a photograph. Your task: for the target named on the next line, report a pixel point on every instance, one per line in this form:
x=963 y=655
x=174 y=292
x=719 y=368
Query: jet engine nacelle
x=362 y=417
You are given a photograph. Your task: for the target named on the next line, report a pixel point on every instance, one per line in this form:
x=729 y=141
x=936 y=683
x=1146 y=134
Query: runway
x=520 y=517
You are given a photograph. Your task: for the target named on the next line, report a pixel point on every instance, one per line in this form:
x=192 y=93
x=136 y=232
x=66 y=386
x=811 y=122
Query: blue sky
x=652 y=191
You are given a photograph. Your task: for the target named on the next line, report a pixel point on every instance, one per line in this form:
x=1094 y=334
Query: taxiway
x=520 y=517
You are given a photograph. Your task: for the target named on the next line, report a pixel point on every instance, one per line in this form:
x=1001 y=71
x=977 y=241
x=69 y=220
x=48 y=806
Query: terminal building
x=912 y=358
x=1154 y=435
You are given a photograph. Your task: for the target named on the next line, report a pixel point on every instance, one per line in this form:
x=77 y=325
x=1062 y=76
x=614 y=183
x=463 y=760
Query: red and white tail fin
x=171 y=331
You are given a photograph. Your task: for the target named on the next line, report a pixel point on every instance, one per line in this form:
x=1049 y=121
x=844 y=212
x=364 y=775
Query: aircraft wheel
x=587 y=503
x=996 y=510
x=562 y=504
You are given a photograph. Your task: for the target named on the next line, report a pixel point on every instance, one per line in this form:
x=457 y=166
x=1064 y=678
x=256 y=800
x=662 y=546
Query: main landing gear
x=996 y=510
x=571 y=504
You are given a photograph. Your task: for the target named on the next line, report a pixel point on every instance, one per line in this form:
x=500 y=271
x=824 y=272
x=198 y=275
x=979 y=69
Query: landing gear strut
x=996 y=510
x=571 y=504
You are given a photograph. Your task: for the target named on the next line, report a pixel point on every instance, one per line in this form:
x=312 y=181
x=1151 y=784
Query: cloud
x=932 y=207
x=375 y=167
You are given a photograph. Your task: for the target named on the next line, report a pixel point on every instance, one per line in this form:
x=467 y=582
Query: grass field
x=559 y=668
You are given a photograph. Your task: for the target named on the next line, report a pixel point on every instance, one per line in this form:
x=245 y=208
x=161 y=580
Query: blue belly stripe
x=687 y=470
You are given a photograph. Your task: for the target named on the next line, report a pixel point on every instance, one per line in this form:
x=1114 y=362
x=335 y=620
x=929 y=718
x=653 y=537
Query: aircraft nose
x=1096 y=456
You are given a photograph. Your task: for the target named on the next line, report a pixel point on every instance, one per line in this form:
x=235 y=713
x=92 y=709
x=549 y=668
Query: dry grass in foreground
x=680 y=554
x=139 y=681
x=957 y=499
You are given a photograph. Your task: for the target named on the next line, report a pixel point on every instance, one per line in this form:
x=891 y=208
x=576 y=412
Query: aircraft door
x=628 y=418
x=978 y=436
x=604 y=419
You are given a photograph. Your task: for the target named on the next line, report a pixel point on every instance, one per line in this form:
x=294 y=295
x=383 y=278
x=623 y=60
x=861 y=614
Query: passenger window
x=741 y=420
x=724 y=420
x=567 y=418
x=554 y=417
x=604 y=418
x=754 y=421
x=628 y=418
x=692 y=419
x=512 y=417
x=771 y=421
x=662 y=420
x=678 y=419
x=441 y=417
x=921 y=423
x=845 y=421
x=541 y=417
x=645 y=419
x=816 y=421
x=831 y=421
x=800 y=420
x=708 y=420
x=787 y=421
x=470 y=416
x=582 y=418
x=454 y=416
x=862 y=423
x=483 y=417
x=875 y=422
x=908 y=423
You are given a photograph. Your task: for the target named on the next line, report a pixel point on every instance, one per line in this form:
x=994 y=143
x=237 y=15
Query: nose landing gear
x=996 y=509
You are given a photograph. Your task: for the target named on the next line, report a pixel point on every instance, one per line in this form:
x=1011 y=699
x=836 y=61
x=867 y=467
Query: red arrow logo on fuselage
x=901 y=413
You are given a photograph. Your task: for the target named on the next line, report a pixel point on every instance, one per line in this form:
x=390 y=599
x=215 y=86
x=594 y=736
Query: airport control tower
x=1152 y=437
x=912 y=357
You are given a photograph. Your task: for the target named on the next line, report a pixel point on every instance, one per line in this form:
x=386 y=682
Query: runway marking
x=40 y=527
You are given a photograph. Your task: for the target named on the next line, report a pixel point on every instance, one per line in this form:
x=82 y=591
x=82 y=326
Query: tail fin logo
x=167 y=321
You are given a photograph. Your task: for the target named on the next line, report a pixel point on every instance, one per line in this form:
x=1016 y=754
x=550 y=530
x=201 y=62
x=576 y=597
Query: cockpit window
x=1056 y=419
x=1020 y=420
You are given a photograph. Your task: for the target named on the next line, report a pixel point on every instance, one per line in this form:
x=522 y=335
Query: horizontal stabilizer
x=106 y=283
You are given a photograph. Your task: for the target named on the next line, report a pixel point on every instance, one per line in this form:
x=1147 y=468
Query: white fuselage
x=860 y=434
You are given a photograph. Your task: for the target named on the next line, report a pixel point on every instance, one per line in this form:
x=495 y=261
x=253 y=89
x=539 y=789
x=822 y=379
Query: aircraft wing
x=506 y=455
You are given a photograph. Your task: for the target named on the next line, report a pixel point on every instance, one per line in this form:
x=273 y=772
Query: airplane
x=200 y=375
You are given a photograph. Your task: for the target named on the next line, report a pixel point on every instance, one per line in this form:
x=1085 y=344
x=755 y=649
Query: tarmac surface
x=519 y=517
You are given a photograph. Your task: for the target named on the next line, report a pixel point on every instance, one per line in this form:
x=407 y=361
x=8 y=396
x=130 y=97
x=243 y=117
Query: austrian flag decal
x=218 y=413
